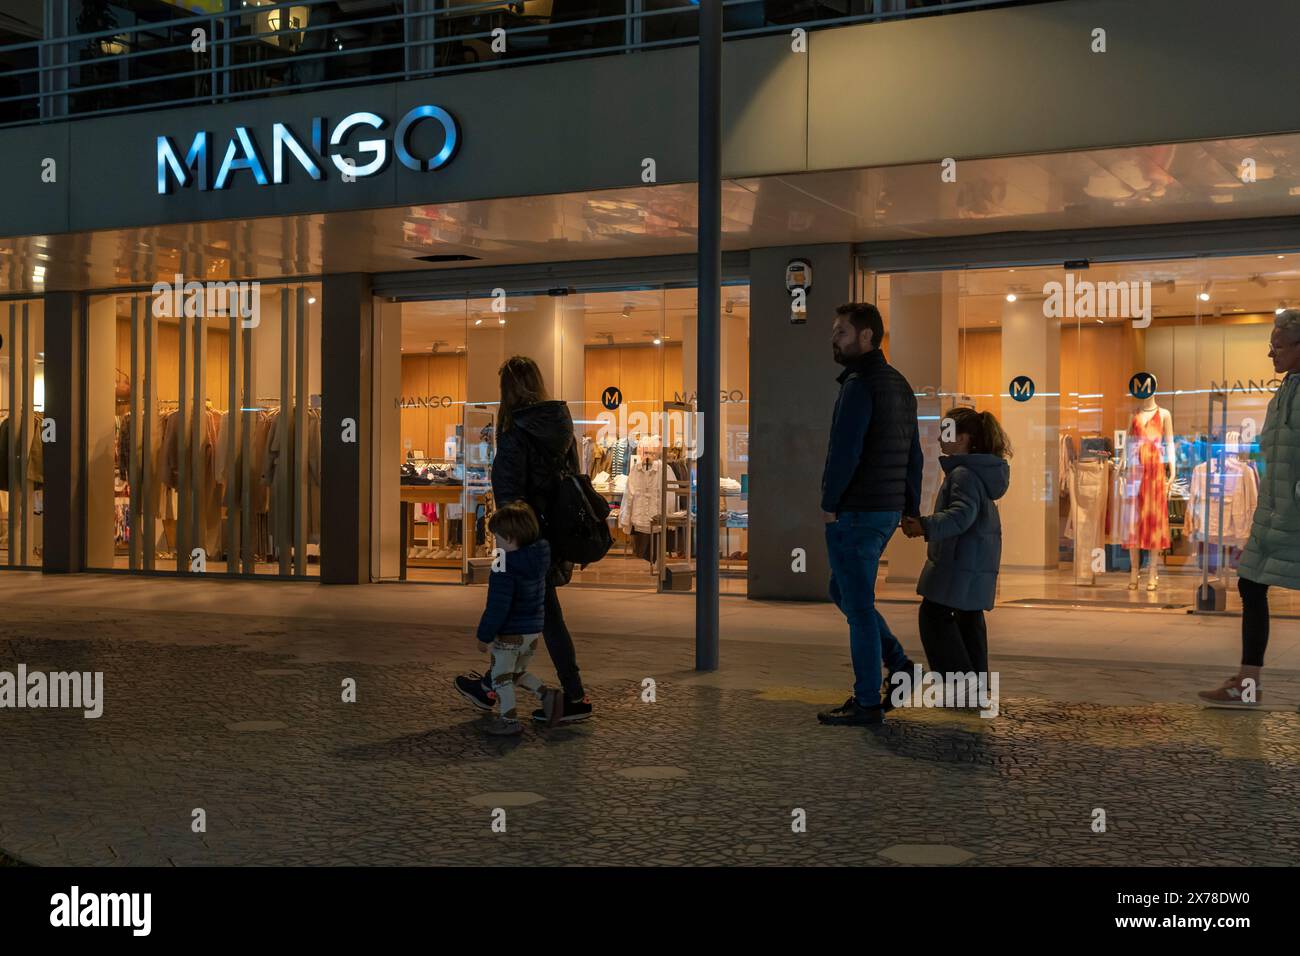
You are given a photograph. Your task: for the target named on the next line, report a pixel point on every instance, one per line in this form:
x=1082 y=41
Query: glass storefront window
x=624 y=362
x=1133 y=393
x=203 y=450
x=22 y=403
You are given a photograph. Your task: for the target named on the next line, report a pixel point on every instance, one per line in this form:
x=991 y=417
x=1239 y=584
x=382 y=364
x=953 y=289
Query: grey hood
x=993 y=471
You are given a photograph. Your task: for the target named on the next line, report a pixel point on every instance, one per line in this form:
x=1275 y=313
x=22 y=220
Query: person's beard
x=842 y=357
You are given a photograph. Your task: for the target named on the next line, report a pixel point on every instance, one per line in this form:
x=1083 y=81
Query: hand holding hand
x=912 y=527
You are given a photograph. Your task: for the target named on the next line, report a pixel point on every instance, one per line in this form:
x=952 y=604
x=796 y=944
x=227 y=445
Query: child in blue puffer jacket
x=512 y=621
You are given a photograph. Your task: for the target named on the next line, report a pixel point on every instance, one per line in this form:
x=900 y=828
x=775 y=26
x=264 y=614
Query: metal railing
x=263 y=48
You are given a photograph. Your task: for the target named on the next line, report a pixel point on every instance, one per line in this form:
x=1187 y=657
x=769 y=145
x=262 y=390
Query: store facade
x=404 y=239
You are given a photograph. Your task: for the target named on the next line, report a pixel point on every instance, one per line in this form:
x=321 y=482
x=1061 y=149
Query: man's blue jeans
x=854 y=543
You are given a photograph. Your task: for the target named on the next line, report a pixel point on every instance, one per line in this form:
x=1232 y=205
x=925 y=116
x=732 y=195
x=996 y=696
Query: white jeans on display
x=1089 y=489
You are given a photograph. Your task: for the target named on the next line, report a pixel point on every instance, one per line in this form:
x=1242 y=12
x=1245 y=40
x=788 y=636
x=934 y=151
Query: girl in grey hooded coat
x=960 y=577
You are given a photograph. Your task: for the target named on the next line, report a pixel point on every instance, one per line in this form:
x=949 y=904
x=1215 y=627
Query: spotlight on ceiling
x=1011 y=297
x=1204 y=296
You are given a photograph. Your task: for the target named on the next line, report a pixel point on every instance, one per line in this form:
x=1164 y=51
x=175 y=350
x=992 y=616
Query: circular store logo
x=1022 y=388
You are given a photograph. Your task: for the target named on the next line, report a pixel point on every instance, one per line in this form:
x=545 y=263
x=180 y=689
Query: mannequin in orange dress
x=1149 y=471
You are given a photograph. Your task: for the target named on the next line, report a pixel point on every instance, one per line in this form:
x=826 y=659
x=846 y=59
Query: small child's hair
x=515 y=522
x=985 y=431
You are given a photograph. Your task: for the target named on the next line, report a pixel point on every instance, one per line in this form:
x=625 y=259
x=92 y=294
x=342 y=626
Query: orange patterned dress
x=1146 y=487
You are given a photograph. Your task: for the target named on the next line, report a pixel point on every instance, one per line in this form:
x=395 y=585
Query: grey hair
x=1288 y=320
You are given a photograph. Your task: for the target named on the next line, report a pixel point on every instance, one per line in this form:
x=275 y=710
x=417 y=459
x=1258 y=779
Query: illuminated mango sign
x=243 y=151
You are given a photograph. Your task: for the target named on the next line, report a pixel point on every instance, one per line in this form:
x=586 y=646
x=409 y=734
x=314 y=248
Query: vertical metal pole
x=12 y=450
x=709 y=336
x=199 y=492
x=284 y=460
x=183 y=543
x=149 y=490
x=300 y=421
x=133 y=453
x=246 y=475
x=233 y=420
x=25 y=439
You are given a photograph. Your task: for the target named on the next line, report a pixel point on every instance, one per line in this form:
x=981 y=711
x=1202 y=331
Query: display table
x=435 y=494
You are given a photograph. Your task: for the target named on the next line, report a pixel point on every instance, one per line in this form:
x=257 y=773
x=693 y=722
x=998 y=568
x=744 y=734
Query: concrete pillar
x=347 y=318
x=1031 y=346
x=101 y=378
x=792 y=378
x=923 y=336
x=64 y=491
x=385 y=515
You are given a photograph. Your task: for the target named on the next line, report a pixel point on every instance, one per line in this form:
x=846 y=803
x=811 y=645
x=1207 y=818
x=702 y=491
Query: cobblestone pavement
x=243 y=717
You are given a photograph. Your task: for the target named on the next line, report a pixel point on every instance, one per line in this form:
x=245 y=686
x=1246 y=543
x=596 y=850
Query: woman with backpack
x=535 y=447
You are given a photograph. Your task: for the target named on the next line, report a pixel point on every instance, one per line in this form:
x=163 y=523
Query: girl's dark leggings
x=1254 y=621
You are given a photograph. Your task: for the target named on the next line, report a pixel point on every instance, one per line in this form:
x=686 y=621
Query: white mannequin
x=1145 y=412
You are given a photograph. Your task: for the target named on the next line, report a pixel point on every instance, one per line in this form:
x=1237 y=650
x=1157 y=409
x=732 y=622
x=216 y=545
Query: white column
x=1031 y=346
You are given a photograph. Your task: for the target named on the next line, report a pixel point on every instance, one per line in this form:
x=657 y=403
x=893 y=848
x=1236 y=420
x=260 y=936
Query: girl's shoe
x=1133 y=581
x=504 y=727
x=1153 y=582
x=1230 y=694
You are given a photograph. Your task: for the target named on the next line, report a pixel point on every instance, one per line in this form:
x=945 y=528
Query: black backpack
x=573 y=517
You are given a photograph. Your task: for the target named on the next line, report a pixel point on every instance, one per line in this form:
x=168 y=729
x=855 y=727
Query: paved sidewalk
x=237 y=711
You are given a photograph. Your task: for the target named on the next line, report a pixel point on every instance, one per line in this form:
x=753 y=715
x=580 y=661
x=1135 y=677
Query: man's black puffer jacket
x=520 y=470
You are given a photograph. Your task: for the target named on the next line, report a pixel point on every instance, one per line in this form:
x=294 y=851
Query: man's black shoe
x=852 y=714
x=473 y=690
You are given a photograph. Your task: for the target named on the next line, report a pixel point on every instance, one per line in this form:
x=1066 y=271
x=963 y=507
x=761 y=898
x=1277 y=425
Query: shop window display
x=624 y=362
x=207 y=458
x=1135 y=476
x=22 y=404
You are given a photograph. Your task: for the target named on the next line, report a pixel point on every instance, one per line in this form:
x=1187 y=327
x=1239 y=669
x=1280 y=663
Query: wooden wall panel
x=168 y=357
x=431 y=376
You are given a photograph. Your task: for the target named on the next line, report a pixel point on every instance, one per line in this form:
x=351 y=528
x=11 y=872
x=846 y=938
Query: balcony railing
x=262 y=48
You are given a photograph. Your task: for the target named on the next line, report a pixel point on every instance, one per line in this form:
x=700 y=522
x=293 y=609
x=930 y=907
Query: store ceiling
x=1244 y=288
x=1114 y=187
x=634 y=317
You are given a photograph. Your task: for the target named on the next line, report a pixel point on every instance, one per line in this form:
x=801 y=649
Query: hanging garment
x=1146 y=486
x=1088 y=487
x=35 y=453
x=1239 y=489
x=645 y=546
x=642 y=503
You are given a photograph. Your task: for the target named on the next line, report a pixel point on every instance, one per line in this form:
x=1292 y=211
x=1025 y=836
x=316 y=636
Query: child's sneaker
x=1230 y=694
x=474 y=691
x=505 y=727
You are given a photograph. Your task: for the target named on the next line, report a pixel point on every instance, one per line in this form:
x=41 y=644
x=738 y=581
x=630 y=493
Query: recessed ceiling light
x=1204 y=296
x=659 y=341
x=311 y=300
x=1281 y=257
x=1011 y=297
x=478 y=321
x=501 y=321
